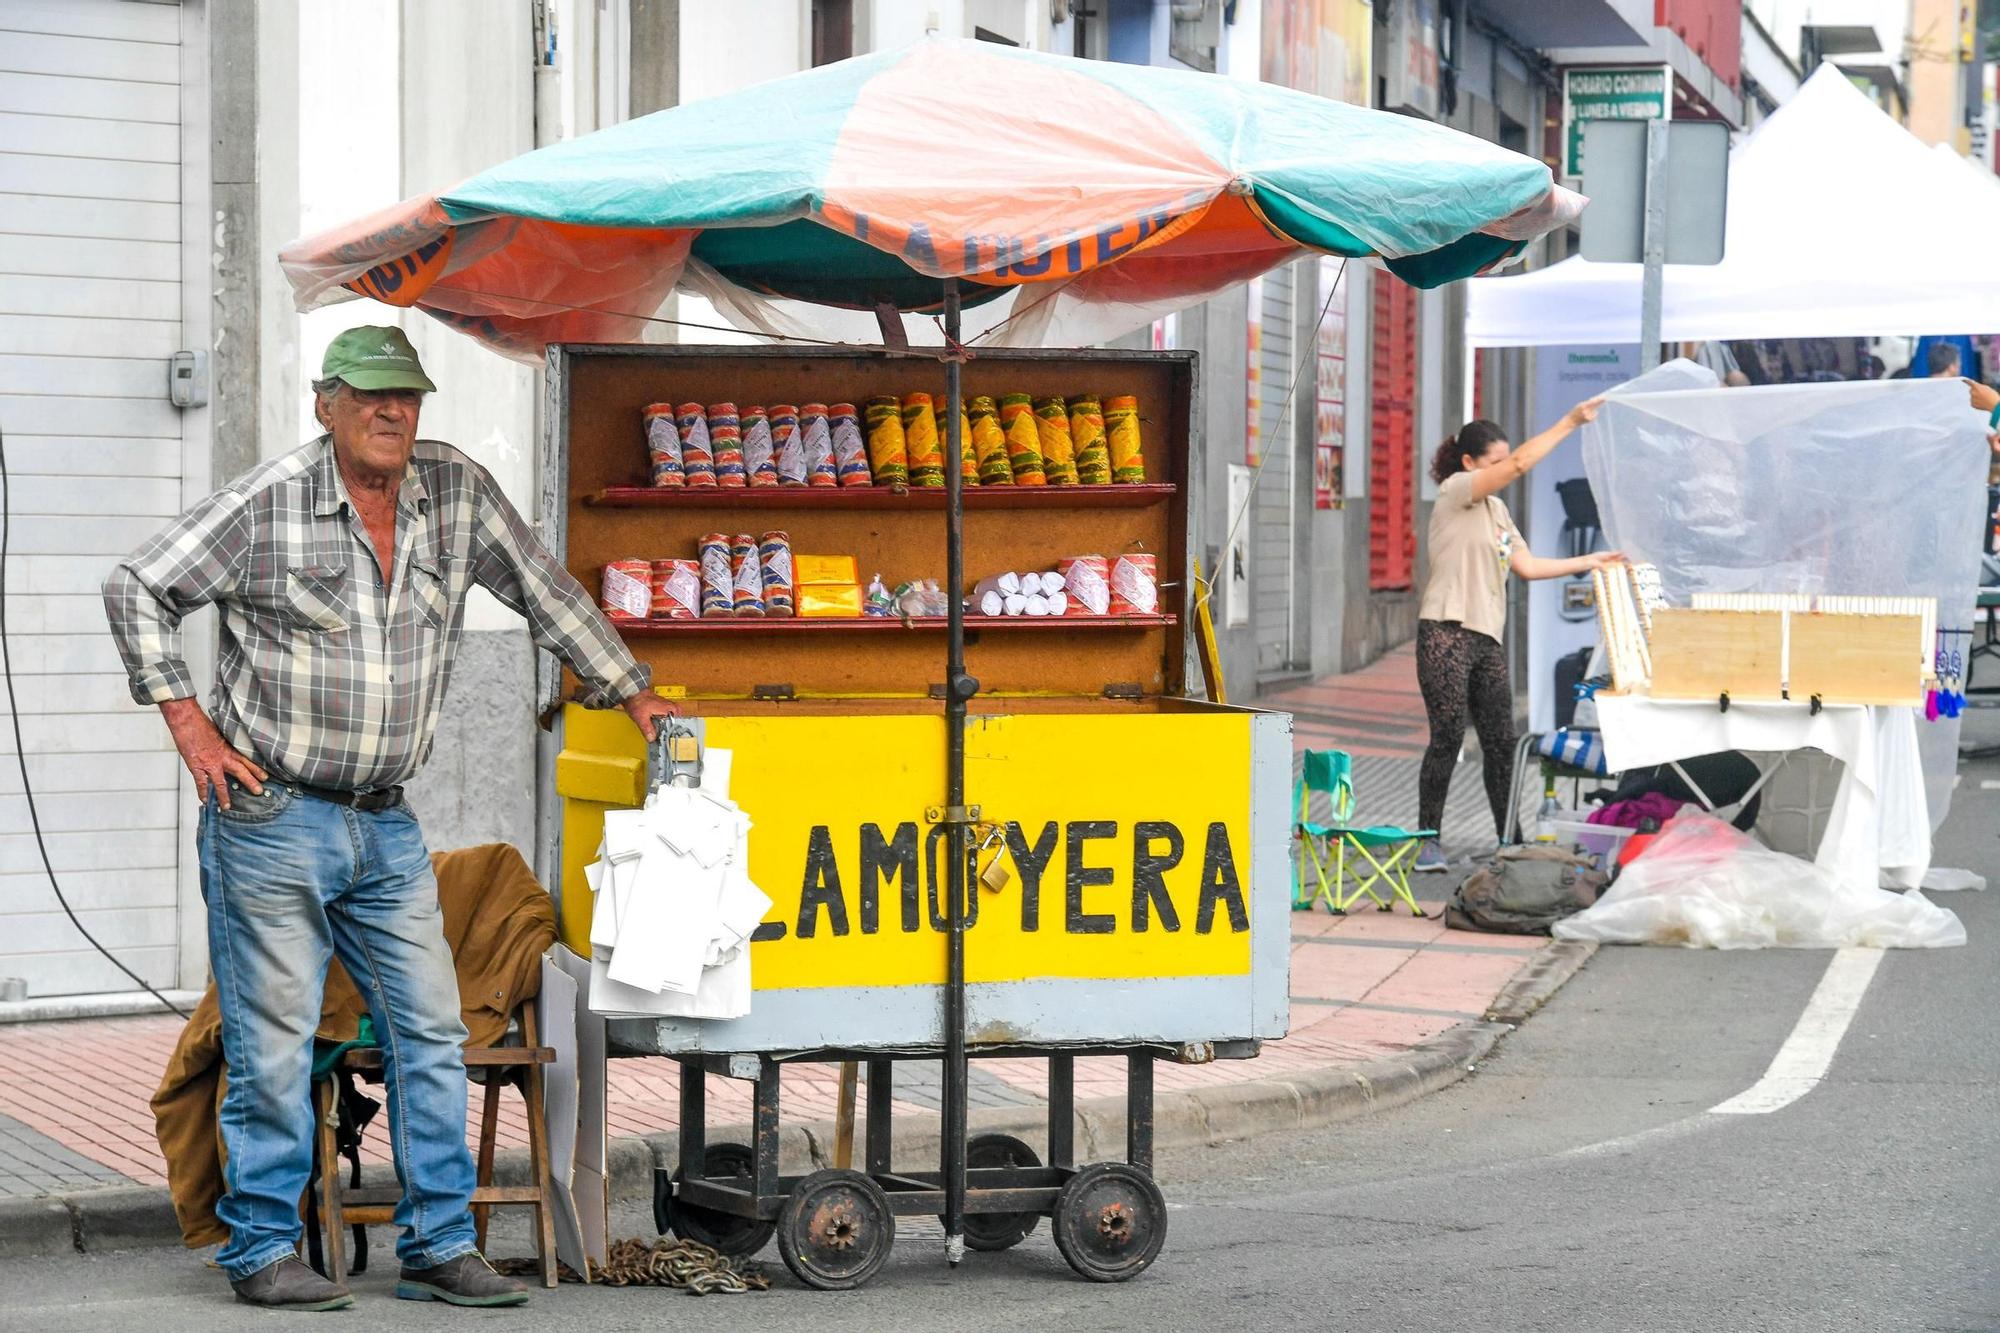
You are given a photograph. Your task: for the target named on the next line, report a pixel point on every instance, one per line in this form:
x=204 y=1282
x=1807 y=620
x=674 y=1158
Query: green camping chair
x=1382 y=853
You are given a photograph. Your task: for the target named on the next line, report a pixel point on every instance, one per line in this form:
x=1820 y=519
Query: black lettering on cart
x=821 y=889
x=767 y=930
x=883 y=862
x=1219 y=884
x=1029 y=863
x=1077 y=877
x=1149 y=873
x=936 y=885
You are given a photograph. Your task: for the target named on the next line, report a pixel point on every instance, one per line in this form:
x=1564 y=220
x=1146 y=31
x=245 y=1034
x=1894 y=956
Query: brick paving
x=74 y=1107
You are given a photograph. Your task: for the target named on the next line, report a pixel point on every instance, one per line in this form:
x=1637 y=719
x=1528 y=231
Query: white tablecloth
x=1879 y=830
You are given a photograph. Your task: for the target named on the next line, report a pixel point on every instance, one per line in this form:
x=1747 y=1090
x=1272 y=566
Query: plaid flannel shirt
x=331 y=674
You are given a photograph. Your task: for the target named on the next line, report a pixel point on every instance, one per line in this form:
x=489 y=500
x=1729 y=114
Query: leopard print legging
x=1460 y=671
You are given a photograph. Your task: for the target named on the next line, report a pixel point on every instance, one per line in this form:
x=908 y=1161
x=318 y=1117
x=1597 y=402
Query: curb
x=125 y=1217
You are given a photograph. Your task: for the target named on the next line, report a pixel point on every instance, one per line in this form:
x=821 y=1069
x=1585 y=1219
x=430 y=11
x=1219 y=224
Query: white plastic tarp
x=1871 y=488
x=1841 y=223
x=1703 y=885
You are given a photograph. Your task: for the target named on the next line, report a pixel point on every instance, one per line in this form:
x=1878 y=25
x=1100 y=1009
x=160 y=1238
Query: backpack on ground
x=1524 y=891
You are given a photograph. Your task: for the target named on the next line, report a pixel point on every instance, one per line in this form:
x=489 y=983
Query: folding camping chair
x=1386 y=851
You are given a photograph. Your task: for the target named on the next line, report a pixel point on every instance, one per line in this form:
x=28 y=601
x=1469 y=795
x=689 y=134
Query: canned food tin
x=1135 y=584
x=627 y=592
x=1086 y=578
x=676 y=590
x=663 y=446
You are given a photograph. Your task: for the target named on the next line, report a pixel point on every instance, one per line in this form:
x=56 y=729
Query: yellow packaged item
x=1024 y=439
x=888 y=453
x=823 y=569
x=920 y=435
x=989 y=444
x=829 y=601
x=1086 y=431
x=1121 y=428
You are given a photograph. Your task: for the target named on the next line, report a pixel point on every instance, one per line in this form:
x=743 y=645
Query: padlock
x=995 y=875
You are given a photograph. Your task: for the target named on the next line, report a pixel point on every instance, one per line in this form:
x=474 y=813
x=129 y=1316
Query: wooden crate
x=1857 y=659
x=1705 y=654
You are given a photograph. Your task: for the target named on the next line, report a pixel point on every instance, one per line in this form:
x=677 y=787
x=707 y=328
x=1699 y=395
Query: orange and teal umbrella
x=866 y=182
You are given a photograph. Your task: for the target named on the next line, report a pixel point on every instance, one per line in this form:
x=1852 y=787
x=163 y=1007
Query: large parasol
x=1091 y=197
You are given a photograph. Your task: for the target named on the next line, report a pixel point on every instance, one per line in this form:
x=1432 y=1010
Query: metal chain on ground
x=688 y=1265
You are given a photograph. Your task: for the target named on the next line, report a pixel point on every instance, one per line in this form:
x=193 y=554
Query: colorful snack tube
x=1135 y=584
x=725 y=438
x=627 y=591
x=718 y=578
x=1086 y=430
x=1058 y=451
x=1121 y=434
x=989 y=444
x=1024 y=439
x=968 y=462
x=774 y=554
x=920 y=440
x=786 y=445
x=663 y=445
x=816 y=437
x=746 y=576
x=850 y=450
x=697 y=454
x=888 y=451
x=760 y=459
x=676 y=590
x=1086 y=578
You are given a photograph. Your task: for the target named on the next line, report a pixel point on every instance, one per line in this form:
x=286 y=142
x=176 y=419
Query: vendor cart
x=1143 y=833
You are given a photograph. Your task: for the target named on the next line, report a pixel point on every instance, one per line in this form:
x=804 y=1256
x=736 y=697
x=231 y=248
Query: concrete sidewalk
x=1384 y=1007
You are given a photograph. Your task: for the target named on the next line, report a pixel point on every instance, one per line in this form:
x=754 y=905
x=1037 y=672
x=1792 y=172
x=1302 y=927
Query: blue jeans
x=290 y=882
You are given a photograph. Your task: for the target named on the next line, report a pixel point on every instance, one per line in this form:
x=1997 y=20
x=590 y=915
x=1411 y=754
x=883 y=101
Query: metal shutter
x=90 y=308
x=1272 y=535
x=1392 y=536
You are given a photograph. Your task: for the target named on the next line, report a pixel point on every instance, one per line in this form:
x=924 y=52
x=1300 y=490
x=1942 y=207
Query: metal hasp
x=959 y=689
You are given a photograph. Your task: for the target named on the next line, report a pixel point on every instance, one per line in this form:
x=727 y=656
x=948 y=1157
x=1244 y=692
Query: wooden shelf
x=923 y=498
x=667 y=629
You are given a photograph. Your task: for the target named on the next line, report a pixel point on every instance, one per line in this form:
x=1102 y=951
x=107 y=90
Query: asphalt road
x=1576 y=1181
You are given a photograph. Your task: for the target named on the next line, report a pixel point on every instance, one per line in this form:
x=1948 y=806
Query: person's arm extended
x=509 y=563
x=1516 y=465
x=197 y=560
x=1531 y=566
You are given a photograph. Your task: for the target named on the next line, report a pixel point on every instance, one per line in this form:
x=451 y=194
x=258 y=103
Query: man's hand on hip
x=209 y=758
x=647 y=708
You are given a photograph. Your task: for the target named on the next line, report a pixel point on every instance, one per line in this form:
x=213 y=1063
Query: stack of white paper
x=670 y=935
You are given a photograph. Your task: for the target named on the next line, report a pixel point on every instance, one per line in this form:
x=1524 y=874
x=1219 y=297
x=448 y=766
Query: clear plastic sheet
x=1872 y=488
x=1704 y=885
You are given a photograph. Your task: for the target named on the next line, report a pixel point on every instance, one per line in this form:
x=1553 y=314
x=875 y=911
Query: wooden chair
x=342 y=1205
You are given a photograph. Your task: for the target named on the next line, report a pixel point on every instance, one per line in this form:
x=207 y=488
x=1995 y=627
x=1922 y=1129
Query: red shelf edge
x=655 y=629
x=1133 y=495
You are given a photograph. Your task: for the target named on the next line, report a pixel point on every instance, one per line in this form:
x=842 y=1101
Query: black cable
x=21 y=750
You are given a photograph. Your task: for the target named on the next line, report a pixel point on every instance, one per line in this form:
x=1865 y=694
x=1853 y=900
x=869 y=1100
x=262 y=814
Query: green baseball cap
x=375 y=357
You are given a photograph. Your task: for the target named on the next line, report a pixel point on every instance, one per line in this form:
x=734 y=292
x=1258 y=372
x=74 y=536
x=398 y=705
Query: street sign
x=1624 y=92
x=1695 y=191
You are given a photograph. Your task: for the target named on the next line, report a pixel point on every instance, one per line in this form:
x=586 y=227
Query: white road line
x=1803 y=1060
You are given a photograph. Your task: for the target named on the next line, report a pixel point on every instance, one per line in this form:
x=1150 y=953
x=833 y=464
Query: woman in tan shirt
x=1461 y=666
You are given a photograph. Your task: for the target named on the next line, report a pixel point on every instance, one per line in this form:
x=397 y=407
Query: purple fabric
x=1633 y=813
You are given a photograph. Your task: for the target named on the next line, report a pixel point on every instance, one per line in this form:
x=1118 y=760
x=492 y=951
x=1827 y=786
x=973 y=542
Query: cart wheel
x=998 y=1231
x=738 y=1237
x=1110 y=1221
x=835 y=1230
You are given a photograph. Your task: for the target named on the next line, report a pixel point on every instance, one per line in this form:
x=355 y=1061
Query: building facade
x=155 y=156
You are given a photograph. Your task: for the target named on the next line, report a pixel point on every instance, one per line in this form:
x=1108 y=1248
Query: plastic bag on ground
x=1704 y=885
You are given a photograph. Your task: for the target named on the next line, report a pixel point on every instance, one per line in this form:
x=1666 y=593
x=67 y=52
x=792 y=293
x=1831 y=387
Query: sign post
x=1629 y=92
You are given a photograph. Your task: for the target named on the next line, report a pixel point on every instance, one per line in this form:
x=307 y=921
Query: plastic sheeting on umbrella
x=1090 y=184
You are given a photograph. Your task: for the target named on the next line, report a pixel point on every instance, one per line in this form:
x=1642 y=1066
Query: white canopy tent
x=1841 y=224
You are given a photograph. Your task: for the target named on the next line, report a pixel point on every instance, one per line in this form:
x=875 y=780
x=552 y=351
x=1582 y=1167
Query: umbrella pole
x=959 y=690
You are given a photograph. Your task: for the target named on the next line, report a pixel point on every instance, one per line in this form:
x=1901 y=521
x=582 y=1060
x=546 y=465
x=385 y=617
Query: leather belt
x=368 y=802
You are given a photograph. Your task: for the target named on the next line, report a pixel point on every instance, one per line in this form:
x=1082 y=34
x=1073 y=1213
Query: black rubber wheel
x=998 y=1231
x=1110 y=1221
x=738 y=1237
x=835 y=1230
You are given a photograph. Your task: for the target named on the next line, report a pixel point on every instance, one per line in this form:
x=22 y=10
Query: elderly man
x=341 y=572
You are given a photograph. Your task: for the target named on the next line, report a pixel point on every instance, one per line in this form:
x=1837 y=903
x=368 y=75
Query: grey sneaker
x=289 y=1285
x=466 y=1280
x=1431 y=859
